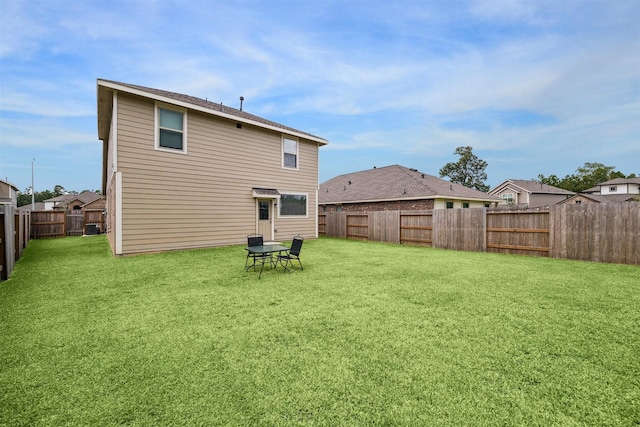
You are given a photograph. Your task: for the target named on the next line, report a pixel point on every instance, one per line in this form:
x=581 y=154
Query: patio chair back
x=255 y=240
x=296 y=246
x=293 y=254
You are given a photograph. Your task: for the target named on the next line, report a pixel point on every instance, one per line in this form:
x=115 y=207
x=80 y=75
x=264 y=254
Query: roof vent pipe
x=241 y=100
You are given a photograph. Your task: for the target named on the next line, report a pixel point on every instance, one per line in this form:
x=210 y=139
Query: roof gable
x=194 y=103
x=614 y=198
x=529 y=186
x=84 y=197
x=394 y=183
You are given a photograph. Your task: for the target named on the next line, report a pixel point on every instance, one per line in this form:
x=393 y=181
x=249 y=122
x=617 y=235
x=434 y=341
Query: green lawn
x=367 y=334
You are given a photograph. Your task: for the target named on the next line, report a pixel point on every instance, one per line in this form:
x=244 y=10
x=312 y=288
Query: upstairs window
x=170 y=129
x=289 y=153
x=613 y=189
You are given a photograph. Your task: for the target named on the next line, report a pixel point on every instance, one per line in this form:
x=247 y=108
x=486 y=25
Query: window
x=465 y=204
x=449 y=205
x=170 y=129
x=613 y=189
x=289 y=153
x=508 y=197
x=264 y=209
x=293 y=205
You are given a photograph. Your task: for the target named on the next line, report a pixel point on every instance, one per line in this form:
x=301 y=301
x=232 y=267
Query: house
x=75 y=202
x=581 y=198
x=529 y=193
x=616 y=190
x=8 y=194
x=616 y=186
x=183 y=172
x=37 y=206
x=397 y=188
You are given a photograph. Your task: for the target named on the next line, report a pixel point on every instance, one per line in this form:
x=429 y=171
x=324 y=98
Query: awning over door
x=266 y=193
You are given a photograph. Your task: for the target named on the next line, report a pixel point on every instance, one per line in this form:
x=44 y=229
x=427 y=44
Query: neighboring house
x=182 y=172
x=523 y=193
x=98 y=204
x=616 y=186
x=38 y=206
x=617 y=190
x=8 y=194
x=581 y=198
x=75 y=202
x=397 y=188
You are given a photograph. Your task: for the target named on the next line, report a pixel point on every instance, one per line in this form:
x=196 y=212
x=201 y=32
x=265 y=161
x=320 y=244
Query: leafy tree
x=587 y=176
x=39 y=196
x=59 y=190
x=469 y=170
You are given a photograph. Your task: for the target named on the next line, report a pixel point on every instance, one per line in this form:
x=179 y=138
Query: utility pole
x=33 y=189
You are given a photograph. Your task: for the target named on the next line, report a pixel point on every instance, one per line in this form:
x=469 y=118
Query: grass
x=367 y=334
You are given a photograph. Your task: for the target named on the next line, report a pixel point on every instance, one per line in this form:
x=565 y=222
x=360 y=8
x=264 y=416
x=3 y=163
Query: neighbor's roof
x=85 y=197
x=193 y=103
x=609 y=198
x=39 y=206
x=530 y=186
x=619 y=181
x=393 y=183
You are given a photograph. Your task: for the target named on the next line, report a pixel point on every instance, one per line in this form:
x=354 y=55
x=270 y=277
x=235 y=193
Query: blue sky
x=535 y=87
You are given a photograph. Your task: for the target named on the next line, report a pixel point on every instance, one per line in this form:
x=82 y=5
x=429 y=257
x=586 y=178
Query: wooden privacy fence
x=62 y=223
x=590 y=232
x=14 y=237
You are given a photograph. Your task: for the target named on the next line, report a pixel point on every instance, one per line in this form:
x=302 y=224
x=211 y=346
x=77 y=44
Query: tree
x=467 y=171
x=39 y=196
x=59 y=190
x=587 y=176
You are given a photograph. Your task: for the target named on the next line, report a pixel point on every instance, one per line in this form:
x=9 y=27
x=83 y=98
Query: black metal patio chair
x=293 y=254
x=254 y=240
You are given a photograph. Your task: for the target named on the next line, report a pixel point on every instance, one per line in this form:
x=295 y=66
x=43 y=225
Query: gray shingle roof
x=539 y=188
x=393 y=183
x=211 y=106
x=618 y=181
x=609 y=198
x=84 y=197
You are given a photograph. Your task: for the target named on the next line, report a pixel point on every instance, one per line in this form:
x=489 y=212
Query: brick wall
x=395 y=205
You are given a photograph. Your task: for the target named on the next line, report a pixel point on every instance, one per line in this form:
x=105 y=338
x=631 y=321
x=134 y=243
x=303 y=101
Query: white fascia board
x=190 y=106
x=508 y=184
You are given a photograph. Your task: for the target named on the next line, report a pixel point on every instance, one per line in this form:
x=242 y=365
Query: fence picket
x=591 y=232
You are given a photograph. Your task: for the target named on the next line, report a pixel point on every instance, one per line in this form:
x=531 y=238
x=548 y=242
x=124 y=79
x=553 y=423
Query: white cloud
x=43 y=133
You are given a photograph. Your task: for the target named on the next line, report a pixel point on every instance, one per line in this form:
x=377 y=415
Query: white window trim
x=293 y=193
x=157 y=127
x=291 y=138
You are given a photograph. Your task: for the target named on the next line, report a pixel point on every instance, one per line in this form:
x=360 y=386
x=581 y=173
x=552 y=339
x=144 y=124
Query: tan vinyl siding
x=203 y=198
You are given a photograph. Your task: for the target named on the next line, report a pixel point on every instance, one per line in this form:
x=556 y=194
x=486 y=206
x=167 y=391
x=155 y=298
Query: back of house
x=181 y=172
